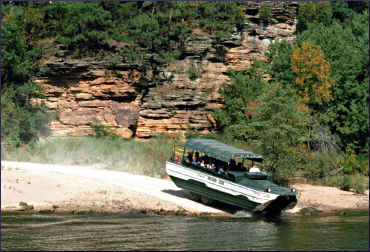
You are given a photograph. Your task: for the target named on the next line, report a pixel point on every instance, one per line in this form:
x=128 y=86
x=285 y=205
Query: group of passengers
x=213 y=164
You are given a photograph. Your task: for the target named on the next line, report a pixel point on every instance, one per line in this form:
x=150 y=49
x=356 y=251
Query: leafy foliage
x=157 y=28
x=350 y=163
x=219 y=18
x=101 y=130
x=21 y=122
x=313 y=12
x=84 y=31
x=278 y=130
x=265 y=12
x=244 y=89
x=345 y=48
x=266 y=116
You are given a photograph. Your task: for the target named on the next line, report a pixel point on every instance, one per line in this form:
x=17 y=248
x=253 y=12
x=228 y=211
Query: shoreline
x=47 y=188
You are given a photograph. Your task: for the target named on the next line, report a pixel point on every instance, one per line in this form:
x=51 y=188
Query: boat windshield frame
x=220 y=151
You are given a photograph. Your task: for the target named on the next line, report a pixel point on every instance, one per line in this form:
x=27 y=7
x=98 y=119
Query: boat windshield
x=220 y=150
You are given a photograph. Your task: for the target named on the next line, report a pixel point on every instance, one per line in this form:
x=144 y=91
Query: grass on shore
x=144 y=158
x=137 y=157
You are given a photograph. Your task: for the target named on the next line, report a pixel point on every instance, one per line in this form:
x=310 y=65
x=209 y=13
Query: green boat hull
x=201 y=189
x=271 y=208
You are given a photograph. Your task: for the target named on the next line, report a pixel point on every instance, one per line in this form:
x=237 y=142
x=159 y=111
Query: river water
x=21 y=231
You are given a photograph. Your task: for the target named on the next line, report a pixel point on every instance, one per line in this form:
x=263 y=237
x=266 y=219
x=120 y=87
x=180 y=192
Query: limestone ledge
x=130 y=102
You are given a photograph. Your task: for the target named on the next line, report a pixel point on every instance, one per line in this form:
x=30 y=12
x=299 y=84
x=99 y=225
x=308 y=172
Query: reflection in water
x=328 y=232
x=142 y=232
x=221 y=234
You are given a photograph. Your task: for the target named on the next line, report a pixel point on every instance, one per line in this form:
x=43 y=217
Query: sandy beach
x=80 y=189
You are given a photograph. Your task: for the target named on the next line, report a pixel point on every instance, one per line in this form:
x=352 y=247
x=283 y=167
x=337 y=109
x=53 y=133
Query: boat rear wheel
x=195 y=196
x=206 y=200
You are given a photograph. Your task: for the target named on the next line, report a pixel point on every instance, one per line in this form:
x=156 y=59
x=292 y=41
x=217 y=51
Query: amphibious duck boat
x=212 y=173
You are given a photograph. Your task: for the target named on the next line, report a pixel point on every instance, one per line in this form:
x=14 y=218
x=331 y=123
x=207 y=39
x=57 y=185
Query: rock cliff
x=125 y=98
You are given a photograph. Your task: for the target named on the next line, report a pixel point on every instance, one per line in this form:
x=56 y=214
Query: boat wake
x=243 y=214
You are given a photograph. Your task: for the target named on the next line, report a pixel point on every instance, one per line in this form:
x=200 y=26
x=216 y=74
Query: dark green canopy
x=220 y=150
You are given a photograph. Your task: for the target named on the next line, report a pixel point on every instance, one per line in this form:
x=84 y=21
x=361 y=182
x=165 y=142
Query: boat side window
x=240 y=167
x=232 y=165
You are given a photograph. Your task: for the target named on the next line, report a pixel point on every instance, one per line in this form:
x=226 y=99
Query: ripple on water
x=244 y=231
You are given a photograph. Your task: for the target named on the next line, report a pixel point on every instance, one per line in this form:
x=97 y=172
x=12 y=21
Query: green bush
x=194 y=72
x=357 y=182
x=220 y=18
x=265 y=13
x=347 y=183
x=349 y=162
x=101 y=130
x=313 y=12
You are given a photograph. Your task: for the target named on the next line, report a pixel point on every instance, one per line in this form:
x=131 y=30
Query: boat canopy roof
x=220 y=150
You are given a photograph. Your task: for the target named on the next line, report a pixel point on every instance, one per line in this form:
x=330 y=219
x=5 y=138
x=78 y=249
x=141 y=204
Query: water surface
x=144 y=232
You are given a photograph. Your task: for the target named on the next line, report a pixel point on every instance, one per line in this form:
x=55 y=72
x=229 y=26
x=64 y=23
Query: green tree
x=20 y=121
x=279 y=130
x=268 y=117
x=238 y=96
x=345 y=47
x=220 y=18
x=313 y=12
x=87 y=27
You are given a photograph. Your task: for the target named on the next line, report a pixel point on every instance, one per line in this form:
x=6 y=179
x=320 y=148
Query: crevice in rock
x=120 y=99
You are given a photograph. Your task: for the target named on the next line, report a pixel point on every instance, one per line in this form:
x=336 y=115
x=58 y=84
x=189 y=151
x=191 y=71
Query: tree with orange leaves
x=312 y=72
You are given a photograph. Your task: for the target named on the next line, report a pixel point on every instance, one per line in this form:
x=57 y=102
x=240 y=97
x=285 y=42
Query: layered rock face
x=84 y=89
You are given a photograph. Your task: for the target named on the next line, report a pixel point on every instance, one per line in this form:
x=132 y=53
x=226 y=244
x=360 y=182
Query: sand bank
x=78 y=189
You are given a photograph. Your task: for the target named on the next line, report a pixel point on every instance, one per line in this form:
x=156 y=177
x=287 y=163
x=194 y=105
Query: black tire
x=195 y=196
x=205 y=200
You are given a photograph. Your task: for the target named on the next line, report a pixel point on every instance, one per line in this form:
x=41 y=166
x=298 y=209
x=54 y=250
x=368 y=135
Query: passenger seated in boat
x=203 y=164
x=240 y=167
x=189 y=157
x=222 y=166
x=254 y=169
x=232 y=164
x=197 y=159
x=220 y=170
x=213 y=167
x=205 y=158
